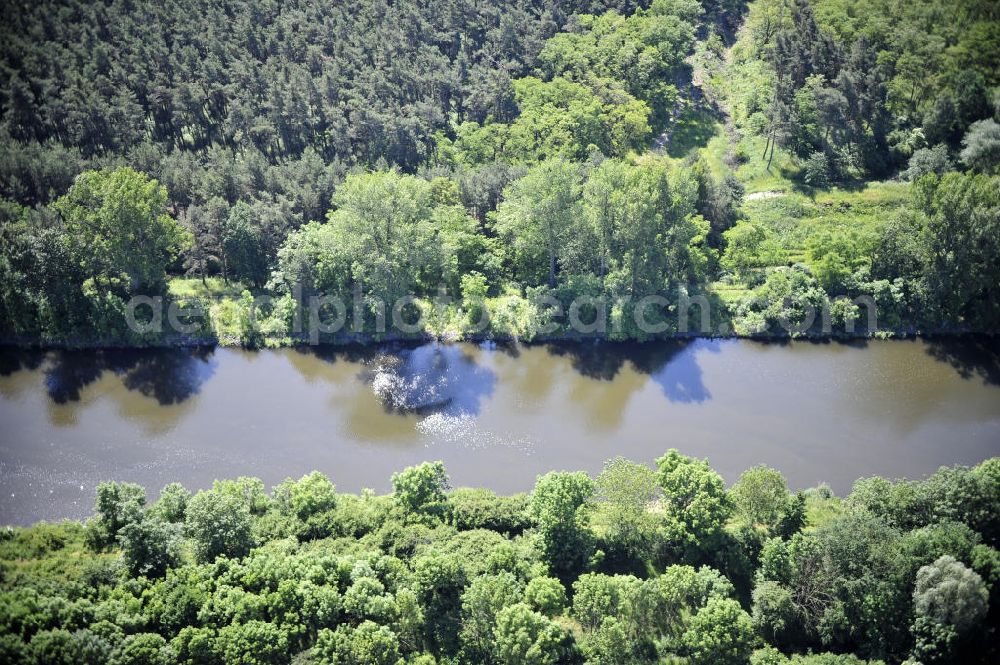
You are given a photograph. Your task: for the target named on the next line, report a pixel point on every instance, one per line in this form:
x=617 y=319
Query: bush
x=218 y=523
x=149 y=546
x=981 y=146
x=117 y=505
x=420 y=489
x=816 y=170
x=475 y=508
x=546 y=595
x=928 y=160
x=368 y=644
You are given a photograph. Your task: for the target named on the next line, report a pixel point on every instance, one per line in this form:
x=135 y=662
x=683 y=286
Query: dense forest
x=638 y=565
x=775 y=158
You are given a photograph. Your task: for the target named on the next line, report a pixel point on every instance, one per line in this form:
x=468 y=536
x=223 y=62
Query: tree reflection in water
x=672 y=364
x=170 y=376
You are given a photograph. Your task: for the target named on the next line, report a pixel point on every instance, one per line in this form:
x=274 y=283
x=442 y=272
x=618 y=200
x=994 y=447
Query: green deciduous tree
x=546 y=595
x=760 y=497
x=368 y=644
x=482 y=601
x=981 y=146
x=254 y=643
x=720 y=634
x=525 y=637
x=172 y=503
x=218 y=523
x=949 y=600
x=149 y=546
x=538 y=216
x=960 y=217
x=627 y=491
x=439 y=582
x=119 y=230
x=117 y=505
x=311 y=500
x=948 y=593
x=243 y=246
x=748 y=249
x=421 y=488
x=694 y=497
x=141 y=649
x=559 y=503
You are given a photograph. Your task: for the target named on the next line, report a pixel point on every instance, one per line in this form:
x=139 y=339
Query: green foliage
x=949 y=600
x=482 y=602
x=960 y=215
x=242 y=245
x=788 y=302
x=928 y=160
x=311 y=500
x=538 y=216
x=816 y=170
x=898 y=570
x=694 y=499
x=117 y=505
x=546 y=595
x=524 y=637
x=475 y=508
x=218 y=523
x=559 y=118
x=61 y=647
x=141 y=649
x=642 y=50
x=149 y=546
x=423 y=150
x=254 y=643
x=172 y=504
x=596 y=596
x=760 y=498
x=748 y=248
x=559 y=503
x=421 y=489
x=117 y=224
x=950 y=594
x=368 y=644
x=981 y=146
x=720 y=633
x=439 y=581
x=627 y=491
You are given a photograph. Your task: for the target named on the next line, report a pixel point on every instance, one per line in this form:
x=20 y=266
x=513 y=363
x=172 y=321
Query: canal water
x=497 y=416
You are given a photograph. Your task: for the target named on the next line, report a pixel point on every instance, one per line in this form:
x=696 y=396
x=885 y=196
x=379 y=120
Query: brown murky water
x=497 y=417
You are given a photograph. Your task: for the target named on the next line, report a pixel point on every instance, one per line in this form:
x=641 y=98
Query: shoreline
x=367 y=340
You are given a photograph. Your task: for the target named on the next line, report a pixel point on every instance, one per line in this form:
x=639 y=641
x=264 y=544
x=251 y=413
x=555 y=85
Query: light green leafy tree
x=150 y=546
x=559 y=503
x=525 y=637
x=482 y=601
x=171 y=504
x=760 y=497
x=721 y=633
x=421 y=488
x=118 y=228
x=218 y=523
x=546 y=595
x=627 y=491
x=538 y=216
x=367 y=644
x=948 y=593
x=117 y=505
x=254 y=643
x=694 y=498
